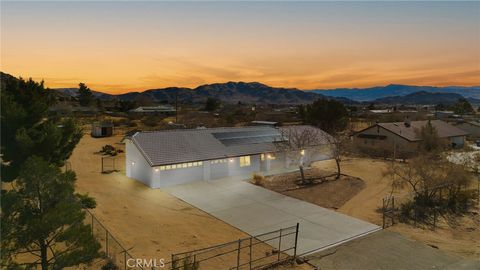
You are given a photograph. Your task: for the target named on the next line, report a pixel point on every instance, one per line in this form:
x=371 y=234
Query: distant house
x=405 y=135
x=172 y=157
x=264 y=123
x=443 y=114
x=102 y=129
x=472 y=127
x=160 y=109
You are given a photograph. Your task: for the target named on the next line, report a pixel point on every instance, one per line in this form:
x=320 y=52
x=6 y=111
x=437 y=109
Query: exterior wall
x=136 y=166
x=457 y=142
x=234 y=168
x=390 y=140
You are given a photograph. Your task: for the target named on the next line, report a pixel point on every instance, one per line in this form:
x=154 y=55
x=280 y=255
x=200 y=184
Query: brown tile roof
x=410 y=133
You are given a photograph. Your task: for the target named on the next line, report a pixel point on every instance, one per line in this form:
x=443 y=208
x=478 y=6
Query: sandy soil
x=148 y=222
x=344 y=188
x=462 y=240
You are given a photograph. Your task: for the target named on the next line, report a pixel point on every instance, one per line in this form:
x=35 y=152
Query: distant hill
x=424 y=97
x=372 y=93
x=230 y=92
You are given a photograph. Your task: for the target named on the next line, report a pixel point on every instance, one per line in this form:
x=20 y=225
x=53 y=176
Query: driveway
x=388 y=250
x=256 y=210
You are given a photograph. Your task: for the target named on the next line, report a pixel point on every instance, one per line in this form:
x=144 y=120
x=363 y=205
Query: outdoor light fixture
x=133 y=163
x=269 y=156
x=156 y=169
x=302 y=152
x=231 y=160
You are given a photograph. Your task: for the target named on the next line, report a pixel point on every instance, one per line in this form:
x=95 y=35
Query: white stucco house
x=165 y=158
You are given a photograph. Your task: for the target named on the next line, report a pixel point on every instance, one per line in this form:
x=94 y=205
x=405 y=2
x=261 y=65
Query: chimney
x=407 y=122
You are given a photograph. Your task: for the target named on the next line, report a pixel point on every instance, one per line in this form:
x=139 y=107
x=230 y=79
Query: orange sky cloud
x=118 y=47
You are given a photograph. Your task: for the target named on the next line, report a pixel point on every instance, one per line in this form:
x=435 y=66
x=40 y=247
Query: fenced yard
x=255 y=252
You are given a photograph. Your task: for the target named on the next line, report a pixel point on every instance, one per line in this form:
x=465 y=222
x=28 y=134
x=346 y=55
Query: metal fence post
x=296 y=241
x=250 y=258
x=106 y=242
x=238 y=253
x=279 y=245
x=383 y=212
x=125 y=259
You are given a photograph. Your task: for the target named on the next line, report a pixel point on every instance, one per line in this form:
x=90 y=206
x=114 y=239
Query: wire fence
x=255 y=252
x=111 y=247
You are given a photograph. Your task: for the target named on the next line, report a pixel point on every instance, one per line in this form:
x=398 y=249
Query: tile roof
x=187 y=145
x=410 y=133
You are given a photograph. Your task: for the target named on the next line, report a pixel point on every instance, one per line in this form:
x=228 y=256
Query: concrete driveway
x=256 y=210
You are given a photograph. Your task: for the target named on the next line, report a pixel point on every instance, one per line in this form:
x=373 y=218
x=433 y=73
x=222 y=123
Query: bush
x=150 y=120
x=258 y=180
x=110 y=265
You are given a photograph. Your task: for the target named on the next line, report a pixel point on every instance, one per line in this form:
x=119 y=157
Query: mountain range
x=254 y=92
x=230 y=92
x=378 y=92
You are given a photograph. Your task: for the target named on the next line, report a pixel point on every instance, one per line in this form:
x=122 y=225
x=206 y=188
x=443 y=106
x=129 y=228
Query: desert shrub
x=110 y=265
x=151 y=120
x=110 y=150
x=258 y=180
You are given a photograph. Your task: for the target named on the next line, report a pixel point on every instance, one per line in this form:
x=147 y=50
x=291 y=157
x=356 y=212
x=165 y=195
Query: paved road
x=256 y=210
x=390 y=251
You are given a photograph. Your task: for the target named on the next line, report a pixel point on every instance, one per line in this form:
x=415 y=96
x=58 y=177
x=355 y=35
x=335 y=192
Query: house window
x=245 y=161
x=262 y=157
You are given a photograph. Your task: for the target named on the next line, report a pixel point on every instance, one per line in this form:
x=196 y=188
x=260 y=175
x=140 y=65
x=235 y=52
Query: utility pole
x=176 y=106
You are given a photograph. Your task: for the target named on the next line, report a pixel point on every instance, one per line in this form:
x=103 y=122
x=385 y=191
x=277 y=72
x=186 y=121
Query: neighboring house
x=171 y=157
x=444 y=114
x=160 y=109
x=472 y=127
x=102 y=129
x=264 y=123
x=405 y=135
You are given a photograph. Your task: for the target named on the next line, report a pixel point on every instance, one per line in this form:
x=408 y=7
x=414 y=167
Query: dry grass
x=149 y=222
x=327 y=192
x=462 y=240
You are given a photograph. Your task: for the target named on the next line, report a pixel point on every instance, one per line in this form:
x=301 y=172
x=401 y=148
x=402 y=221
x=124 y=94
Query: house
x=171 y=157
x=102 y=129
x=264 y=123
x=472 y=127
x=405 y=135
x=160 y=109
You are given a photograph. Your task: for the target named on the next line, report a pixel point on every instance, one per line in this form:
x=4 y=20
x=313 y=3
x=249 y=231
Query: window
x=262 y=157
x=245 y=161
x=215 y=161
x=271 y=156
x=162 y=168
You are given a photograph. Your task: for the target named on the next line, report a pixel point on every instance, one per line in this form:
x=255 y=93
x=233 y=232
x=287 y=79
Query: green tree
x=212 y=104
x=85 y=95
x=463 y=107
x=329 y=115
x=27 y=129
x=429 y=140
x=43 y=218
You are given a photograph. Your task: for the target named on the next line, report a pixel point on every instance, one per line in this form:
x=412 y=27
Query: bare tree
x=301 y=143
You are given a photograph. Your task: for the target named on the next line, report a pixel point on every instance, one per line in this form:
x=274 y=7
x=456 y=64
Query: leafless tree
x=301 y=143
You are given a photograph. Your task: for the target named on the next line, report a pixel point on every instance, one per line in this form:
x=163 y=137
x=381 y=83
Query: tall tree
x=85 y=95
x=43 y=218
x=463 y=107
x=429 y=140
x=329 y=115
x=212 y=104
x=28 y=130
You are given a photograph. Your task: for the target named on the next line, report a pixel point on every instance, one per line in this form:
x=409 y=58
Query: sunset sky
x=130 y=46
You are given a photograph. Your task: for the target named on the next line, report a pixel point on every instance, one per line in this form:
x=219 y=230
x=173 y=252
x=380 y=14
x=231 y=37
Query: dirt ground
x=148 y=222
x=344 y=188
x=462 y=240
